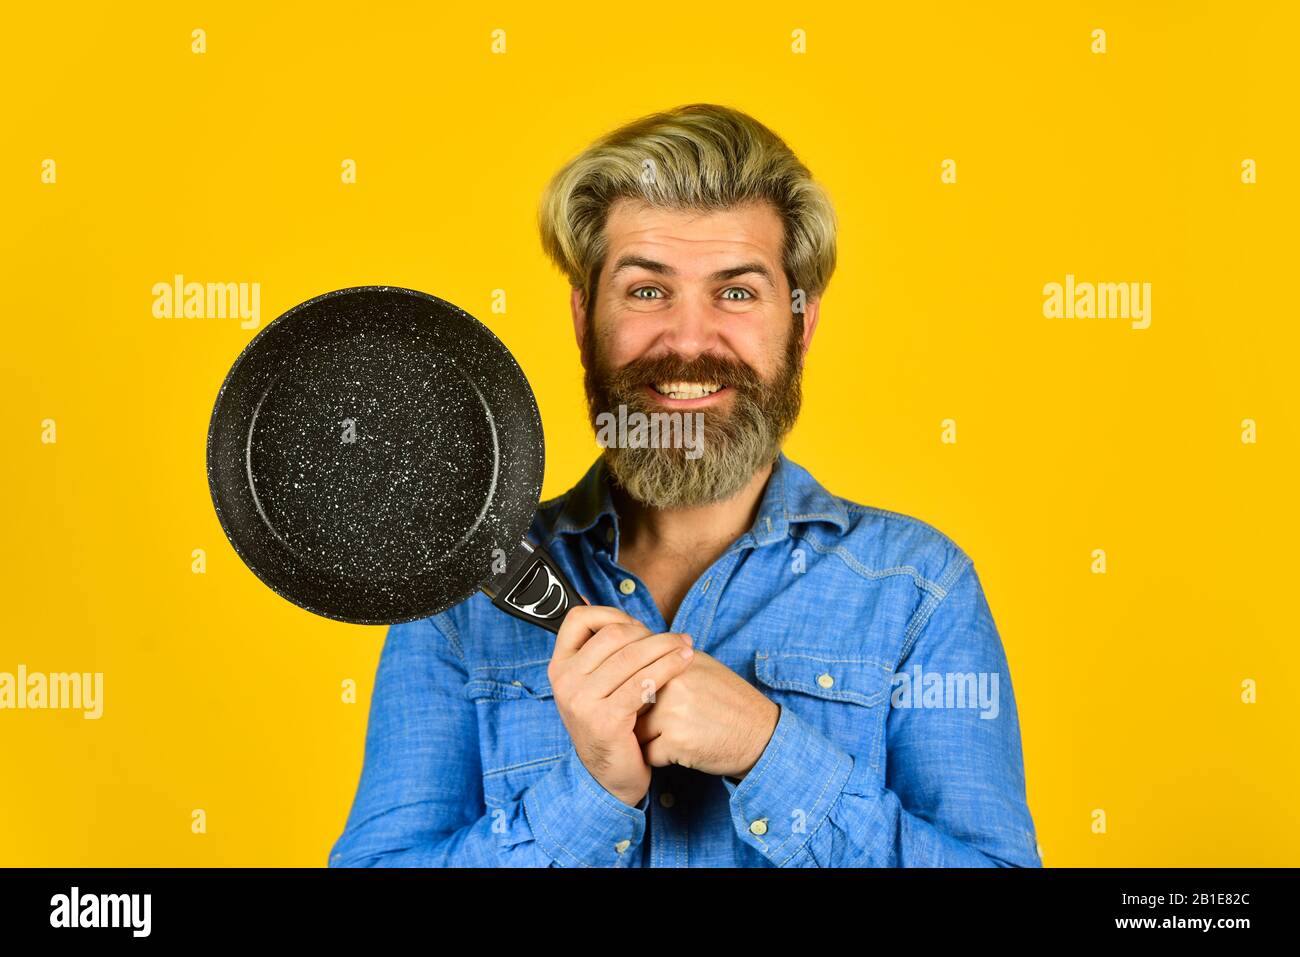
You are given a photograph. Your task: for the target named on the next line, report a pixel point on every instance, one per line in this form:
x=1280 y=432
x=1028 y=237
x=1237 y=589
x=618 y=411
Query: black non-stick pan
x=376 y=456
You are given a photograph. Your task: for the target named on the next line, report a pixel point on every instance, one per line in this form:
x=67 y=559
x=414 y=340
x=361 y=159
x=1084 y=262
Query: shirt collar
x=791 y=497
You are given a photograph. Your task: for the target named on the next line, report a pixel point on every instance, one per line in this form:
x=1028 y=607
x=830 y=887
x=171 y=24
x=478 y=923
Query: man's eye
x=747 y=294
x=644 y=289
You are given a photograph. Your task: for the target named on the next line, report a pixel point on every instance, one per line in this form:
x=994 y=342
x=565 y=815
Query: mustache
x=670 y=368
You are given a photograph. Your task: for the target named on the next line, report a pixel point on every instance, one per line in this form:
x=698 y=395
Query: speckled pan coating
x=369 y=450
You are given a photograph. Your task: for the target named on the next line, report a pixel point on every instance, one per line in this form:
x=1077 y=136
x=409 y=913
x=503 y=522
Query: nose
x=690 y=330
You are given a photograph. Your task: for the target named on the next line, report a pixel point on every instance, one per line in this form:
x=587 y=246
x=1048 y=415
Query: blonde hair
x=701 y=157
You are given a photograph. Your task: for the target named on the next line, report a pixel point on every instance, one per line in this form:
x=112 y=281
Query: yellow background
x=1072 y=436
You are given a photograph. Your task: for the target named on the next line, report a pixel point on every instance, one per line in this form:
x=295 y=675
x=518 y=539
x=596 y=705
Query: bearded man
x=764 y=674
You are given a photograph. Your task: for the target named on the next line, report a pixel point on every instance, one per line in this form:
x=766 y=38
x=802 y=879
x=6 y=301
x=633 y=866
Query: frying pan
x=375 y=456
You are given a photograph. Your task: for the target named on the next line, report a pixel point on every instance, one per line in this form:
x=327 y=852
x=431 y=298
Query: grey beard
x=731 y=448
x=730 y=455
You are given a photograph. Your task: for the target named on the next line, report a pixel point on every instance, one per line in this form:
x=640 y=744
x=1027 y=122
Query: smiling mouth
x=686 y=390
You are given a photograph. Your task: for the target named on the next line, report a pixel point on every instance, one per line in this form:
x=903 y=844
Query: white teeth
x=686 y=390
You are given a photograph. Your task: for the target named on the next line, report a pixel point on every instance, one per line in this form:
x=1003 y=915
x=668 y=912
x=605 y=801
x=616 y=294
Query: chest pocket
x=845 y=698
x=505 y=682
x=521 y=734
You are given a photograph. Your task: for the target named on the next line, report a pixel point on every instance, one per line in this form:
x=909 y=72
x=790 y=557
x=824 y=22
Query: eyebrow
x=663 y=269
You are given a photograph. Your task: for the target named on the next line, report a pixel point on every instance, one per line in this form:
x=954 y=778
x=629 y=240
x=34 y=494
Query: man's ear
x=579 y=311
x=811 y=313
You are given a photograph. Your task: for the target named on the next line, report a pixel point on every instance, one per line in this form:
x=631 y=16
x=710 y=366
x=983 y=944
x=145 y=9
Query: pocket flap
x=527 y=679
x=863 y=681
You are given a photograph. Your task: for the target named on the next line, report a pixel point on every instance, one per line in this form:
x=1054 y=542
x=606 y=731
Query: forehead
x=694 y=241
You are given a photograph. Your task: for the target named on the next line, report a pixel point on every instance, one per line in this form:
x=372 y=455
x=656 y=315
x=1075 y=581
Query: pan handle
x=533 y=588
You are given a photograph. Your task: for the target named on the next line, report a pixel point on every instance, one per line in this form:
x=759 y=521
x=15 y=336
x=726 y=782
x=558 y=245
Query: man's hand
x=710 y=719
x=606 y=668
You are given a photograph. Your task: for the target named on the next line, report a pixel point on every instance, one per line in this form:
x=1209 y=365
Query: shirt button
x=825 y=680
x=517 y=683
x=627 y=586
x=758 y=827
x=667 y=799
x=622 y=846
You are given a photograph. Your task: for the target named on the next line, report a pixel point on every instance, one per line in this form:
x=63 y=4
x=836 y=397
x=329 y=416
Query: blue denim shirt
x=897 y=742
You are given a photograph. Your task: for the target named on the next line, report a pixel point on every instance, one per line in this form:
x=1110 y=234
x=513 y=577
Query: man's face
x=693 y=315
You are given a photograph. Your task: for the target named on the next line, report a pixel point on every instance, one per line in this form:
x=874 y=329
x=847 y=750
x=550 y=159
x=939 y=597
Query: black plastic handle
x=533 y=588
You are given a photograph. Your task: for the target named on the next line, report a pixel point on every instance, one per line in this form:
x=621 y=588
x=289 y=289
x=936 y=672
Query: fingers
x=647 y=725
x=638 y=689
x=656 y=753
x=631 y=656
x=606 y=642
x=581 y=622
